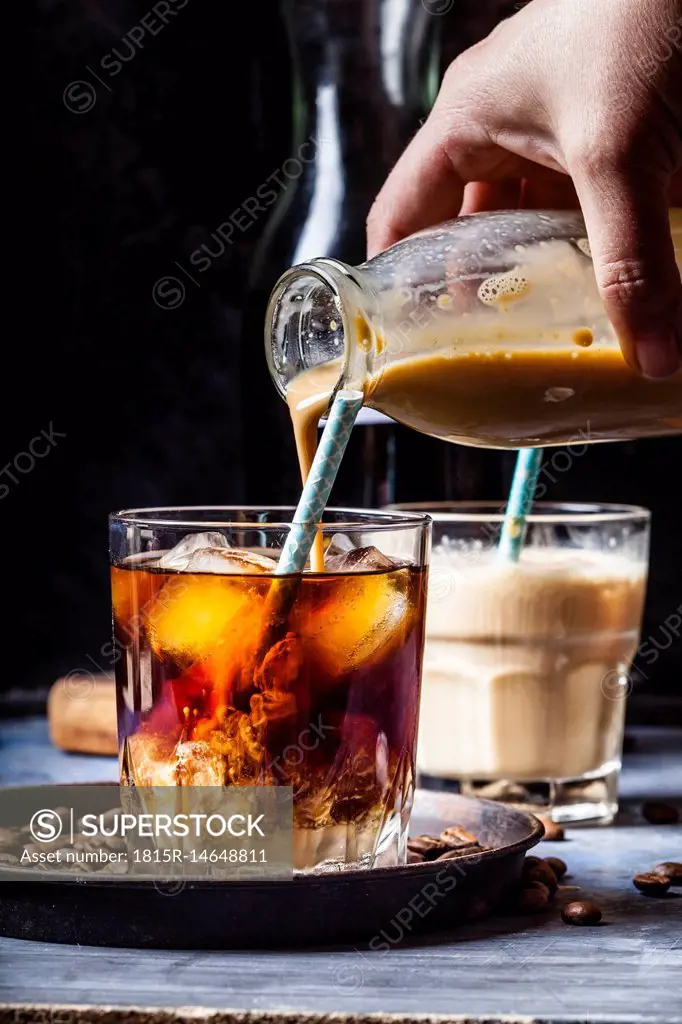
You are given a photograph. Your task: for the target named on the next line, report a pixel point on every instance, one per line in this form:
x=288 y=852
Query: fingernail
x=658 y=354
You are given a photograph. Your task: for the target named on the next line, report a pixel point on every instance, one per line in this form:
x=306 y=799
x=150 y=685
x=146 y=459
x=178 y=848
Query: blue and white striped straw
x=317 y=488
x=528 y=462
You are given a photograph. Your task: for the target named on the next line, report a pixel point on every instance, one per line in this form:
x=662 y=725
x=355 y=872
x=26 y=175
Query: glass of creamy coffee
x=526 y=668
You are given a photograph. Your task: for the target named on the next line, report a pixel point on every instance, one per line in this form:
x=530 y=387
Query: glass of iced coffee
x=526 y=664
x=228 y=674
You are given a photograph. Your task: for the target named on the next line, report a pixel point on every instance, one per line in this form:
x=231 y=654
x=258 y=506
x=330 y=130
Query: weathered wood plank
x=627 y=971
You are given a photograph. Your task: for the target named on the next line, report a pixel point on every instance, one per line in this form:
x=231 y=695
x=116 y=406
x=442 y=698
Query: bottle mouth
x=305 y=325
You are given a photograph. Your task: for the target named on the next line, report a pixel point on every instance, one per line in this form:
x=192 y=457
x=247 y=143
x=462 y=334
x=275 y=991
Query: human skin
x=568 y=103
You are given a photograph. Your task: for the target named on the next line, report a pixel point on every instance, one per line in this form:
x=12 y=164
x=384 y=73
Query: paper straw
x=528 y=462
x=317 y=488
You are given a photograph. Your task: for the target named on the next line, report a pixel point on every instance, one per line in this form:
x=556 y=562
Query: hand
x=568 y=102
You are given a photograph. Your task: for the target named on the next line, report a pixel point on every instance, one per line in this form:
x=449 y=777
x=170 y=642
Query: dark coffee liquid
x=330 y=709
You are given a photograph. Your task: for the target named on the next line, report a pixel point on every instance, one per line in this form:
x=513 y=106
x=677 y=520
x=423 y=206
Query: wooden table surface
x=628 y=970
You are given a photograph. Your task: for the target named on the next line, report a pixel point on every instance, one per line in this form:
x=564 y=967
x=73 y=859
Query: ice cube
x=158 y=769
x=360 y=619
x=222 y=561
x=368 y=559
x=150 y=759
x=198 y=765
x=178 y=557
x=355 y=767
x=196 y=618
x=193 y=763
x=339 y=544
x=281 y=665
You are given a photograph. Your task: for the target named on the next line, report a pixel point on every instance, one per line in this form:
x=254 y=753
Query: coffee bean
x=657 y=813
x=456 y=838
x=584 y=912
x=558 y=866
x=542 y=873
x=88 y=867
x=652 y=884
x=114 y=843
x=458 y=854
x=540 y=886
x=509 y=902
x=90 y=846
x=64 y=814
x=554 y=832
x=9 y=838
x=672 y=870
x=428 y=846
x=414 y=858
x=529 y=863
x=108 y=818
x=118 y=868
x=48 y=847
x=532 y=901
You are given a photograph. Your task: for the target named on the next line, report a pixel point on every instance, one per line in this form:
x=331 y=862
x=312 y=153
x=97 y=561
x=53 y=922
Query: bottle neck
x=320 y=321
x=380 y=57
x=365 y=72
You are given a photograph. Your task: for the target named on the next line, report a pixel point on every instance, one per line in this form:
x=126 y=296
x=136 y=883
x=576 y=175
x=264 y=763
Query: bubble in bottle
x=500 y=289
x=558 y=394
x=583 y=337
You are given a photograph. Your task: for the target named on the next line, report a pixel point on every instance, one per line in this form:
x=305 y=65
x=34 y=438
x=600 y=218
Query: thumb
x=628 y=226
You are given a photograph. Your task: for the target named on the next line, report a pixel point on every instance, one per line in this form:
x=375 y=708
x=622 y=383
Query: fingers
x=484 y=196
x=628 y=226
x=535 y=188
x=548 y=190
x=423 y=189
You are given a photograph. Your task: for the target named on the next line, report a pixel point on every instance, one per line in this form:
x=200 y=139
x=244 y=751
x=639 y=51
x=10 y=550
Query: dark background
x=128 y=174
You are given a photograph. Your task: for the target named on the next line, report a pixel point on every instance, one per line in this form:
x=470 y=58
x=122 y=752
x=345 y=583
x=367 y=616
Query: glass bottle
x=488 y=331
x=365 y=73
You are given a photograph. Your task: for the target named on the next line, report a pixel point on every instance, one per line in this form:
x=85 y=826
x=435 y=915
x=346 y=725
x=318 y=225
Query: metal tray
x=372 y=906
